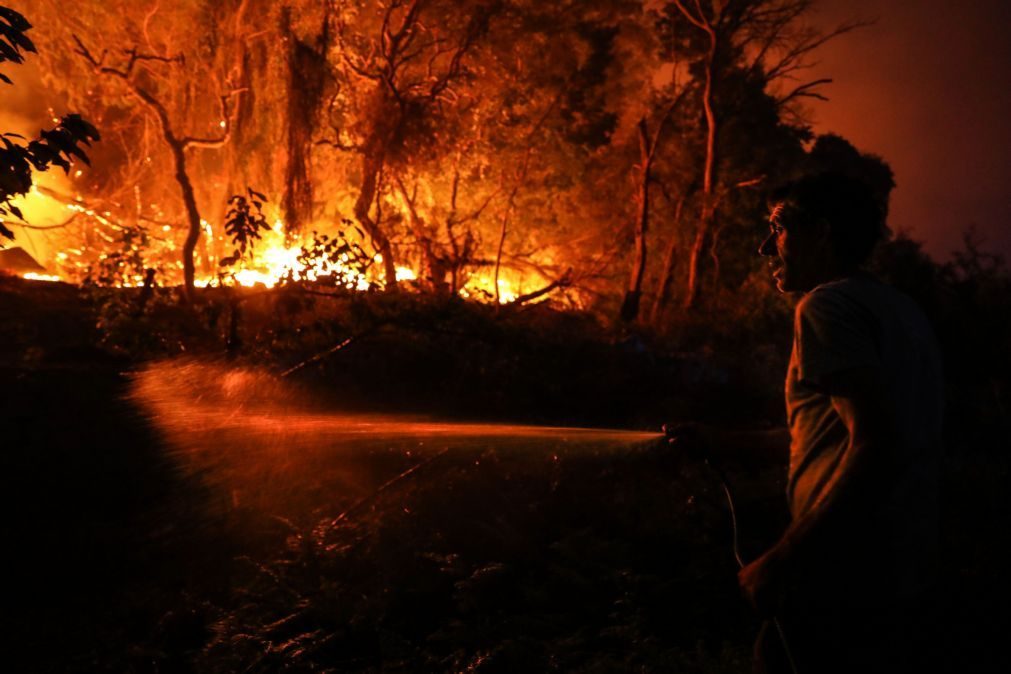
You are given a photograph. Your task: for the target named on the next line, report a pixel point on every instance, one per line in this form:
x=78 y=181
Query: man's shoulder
x=862 y=309
x=845 y=299
x=860 y=295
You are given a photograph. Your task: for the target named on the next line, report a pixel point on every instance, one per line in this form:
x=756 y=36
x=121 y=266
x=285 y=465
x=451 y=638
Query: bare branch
x=564 y=282
x=125 y=76
x=360 y=69
x=520 y=180
x=147 y=21
x=24 y=225
x=698 y=21
x=227 y=117
x=476 y=213
x=750 y=183
x=91 y=209
x=794 y=57
x=804 y=90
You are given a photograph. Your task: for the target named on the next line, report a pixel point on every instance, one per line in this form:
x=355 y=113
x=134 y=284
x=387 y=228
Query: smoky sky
x=928 y=88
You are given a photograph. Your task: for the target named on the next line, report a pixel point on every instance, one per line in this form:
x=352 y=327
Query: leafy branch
x=59 y=146
x=13 y=40
x=340 y=260
x=243 y=223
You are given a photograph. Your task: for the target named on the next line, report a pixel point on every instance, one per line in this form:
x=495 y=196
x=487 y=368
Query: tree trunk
x=633 y=294
x=708 y=203
x=146 y=293
x=306 y=79
x=501 y=246
x=667 y=272
x=192 y=218
x=372 y=164
x=694 y=262
x=178 y=146
x=520 y=179
x=434 y=267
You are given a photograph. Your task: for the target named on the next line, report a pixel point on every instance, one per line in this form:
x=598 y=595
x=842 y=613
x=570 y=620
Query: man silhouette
x=851 y=578
x=864 y=402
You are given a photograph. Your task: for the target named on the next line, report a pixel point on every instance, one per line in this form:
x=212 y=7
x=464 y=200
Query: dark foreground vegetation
x=139 y=546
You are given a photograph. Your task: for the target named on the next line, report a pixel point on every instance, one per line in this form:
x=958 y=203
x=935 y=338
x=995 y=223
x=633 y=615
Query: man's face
x=795 y=248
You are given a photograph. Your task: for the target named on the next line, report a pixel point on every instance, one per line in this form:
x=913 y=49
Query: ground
x=200 y=513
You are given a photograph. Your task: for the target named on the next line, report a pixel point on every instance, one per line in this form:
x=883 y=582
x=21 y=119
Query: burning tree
x=484 y=148
x=177 y=143
x=399 y=67
x=462 y=118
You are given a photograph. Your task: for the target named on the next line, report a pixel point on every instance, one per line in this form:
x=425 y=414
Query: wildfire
x=279 y=263
x=276 y=258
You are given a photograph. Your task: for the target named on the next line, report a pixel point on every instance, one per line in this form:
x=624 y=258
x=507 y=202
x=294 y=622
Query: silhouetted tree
x=59 y=146
x=831 y=152
x=766 y=42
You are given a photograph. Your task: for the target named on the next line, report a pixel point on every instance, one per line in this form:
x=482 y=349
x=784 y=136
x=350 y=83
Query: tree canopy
x=492 y=147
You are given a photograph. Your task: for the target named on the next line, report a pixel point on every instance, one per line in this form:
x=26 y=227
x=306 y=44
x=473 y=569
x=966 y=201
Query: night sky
x=928 y=87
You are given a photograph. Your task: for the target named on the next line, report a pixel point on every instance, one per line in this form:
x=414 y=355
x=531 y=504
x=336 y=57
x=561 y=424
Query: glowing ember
x=32 y=276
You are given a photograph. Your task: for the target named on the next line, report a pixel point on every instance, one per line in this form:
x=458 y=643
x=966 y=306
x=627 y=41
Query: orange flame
x=32 y=276
x=274 y=259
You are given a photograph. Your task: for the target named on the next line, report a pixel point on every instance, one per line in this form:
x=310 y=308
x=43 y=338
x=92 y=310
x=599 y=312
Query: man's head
x=822 y=227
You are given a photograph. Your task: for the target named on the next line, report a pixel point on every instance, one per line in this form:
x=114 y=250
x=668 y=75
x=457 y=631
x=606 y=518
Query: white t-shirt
x=860 y=322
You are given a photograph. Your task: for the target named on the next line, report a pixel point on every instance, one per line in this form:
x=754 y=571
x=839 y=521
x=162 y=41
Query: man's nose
x=768 y=247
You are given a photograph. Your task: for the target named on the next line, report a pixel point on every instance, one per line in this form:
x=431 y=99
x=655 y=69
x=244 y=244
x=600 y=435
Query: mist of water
x=254 y=434
x=189 y=396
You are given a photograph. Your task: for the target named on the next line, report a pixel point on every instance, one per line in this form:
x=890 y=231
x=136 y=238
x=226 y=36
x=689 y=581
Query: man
x=847 y=579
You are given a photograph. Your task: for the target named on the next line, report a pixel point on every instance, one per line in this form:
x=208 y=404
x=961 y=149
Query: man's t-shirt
x=859 y=322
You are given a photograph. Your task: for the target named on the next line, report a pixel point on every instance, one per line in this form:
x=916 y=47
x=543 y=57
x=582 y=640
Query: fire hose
x=670 y=434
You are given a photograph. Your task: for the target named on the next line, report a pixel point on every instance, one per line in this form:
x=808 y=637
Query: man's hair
x=855 y=220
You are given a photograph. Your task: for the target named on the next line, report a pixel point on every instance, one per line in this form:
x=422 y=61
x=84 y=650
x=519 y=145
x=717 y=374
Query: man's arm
x=752 y=449
x=861 y=483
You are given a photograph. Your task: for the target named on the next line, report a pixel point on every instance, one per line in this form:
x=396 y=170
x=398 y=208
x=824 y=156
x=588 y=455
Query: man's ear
x=822 y=231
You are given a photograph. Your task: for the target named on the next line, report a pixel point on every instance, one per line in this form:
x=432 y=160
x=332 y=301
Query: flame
x=32 y=276
x=275 y=259
x=406 y=274
x=481 y=287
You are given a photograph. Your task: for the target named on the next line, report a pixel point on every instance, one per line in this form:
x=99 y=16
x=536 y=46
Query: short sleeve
x=833 y=333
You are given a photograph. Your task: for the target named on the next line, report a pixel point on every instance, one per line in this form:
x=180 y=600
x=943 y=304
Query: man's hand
x=752 y=449
x=691 y=439
x=763 y=582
